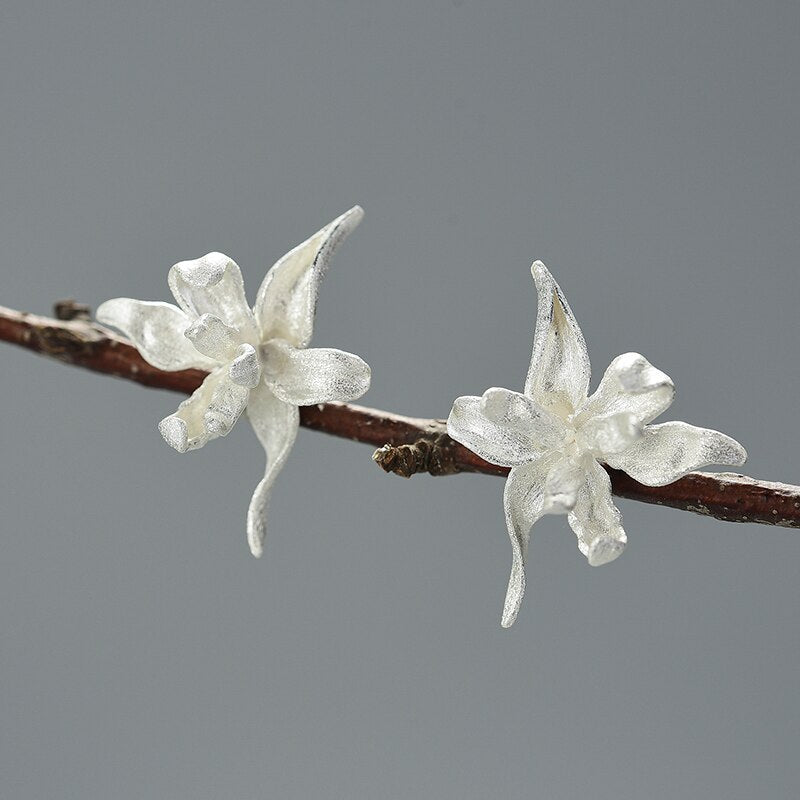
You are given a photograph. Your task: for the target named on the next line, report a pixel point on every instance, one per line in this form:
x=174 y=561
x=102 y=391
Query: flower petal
x=210 y=412
x=523 y=500
x=318 y=375
x=156 y=330
x=503 y=427
x=212 y=337
x=667 y=451
x=287 y=300
x=631 y=383
x=245 y=369
x=610 y=434
x=559 y=372
x=275 y=424
x=596 y=520
x=562 y=484
x=228 y=402
x=512 y=409
x=213 y=285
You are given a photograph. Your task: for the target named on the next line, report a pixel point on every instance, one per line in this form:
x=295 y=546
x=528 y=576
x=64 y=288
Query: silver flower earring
x=258 y=358
x=555 y=437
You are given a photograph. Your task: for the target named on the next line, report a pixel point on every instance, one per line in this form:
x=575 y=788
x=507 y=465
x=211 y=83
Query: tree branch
x=406 y=445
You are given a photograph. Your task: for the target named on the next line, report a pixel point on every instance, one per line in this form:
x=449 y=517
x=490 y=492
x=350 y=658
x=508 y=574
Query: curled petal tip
x=255 y=536
x=175 y=433
x=738 y=453
x=255 y=528
x=361 y=380
x=637 y=375
x=256 y=550
x=364 y=379
x=105 y=312
x=604 y=549
x=245 y=369
x=205 y=271
x=348 y=221
x=509 y=616
x=515 y=591
x=539 y=270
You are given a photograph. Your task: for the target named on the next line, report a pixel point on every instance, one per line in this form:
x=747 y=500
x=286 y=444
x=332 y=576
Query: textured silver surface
x=554 y=437
x=257 y=357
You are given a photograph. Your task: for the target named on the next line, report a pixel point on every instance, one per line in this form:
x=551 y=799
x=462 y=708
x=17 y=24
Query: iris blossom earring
x=258 y=359
x=556 y=438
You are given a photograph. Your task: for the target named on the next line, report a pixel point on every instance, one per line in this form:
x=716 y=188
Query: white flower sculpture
x=257 y=358
x=554 y=437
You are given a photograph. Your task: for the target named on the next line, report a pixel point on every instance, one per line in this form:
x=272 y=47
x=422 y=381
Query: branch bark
x=406 y=445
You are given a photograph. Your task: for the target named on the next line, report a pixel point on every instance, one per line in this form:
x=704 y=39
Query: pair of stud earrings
x=554 y=435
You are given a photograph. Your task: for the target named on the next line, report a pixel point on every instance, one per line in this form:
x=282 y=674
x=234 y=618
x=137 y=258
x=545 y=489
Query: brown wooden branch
x=406 y=445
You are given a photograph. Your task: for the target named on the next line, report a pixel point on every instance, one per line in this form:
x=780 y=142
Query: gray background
x=646 y=151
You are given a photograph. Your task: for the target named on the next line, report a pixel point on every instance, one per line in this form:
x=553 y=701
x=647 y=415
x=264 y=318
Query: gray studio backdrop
x=647 y=152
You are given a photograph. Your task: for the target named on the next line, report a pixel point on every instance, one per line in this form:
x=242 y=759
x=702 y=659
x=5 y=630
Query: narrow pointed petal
x=208 y=413
x=631 y=383
x=287 y=300
x=596 y=520
x=156 y=330
x=559 y=371
x=245 y=369
x=503 y=427
x=213 y=338
x=317 y=375
x=523 y=500
x=668 y=451
x=213 y=285
x=562 y=484
x=275 y=424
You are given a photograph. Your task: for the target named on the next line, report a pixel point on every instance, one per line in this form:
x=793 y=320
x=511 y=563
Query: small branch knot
x=71 y=309
x=64 y=344
x=434 y=456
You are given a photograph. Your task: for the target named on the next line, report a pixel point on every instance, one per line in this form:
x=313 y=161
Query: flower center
x=571 y=445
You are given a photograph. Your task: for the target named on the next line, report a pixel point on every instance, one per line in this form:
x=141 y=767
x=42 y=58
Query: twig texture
x=406 y=445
